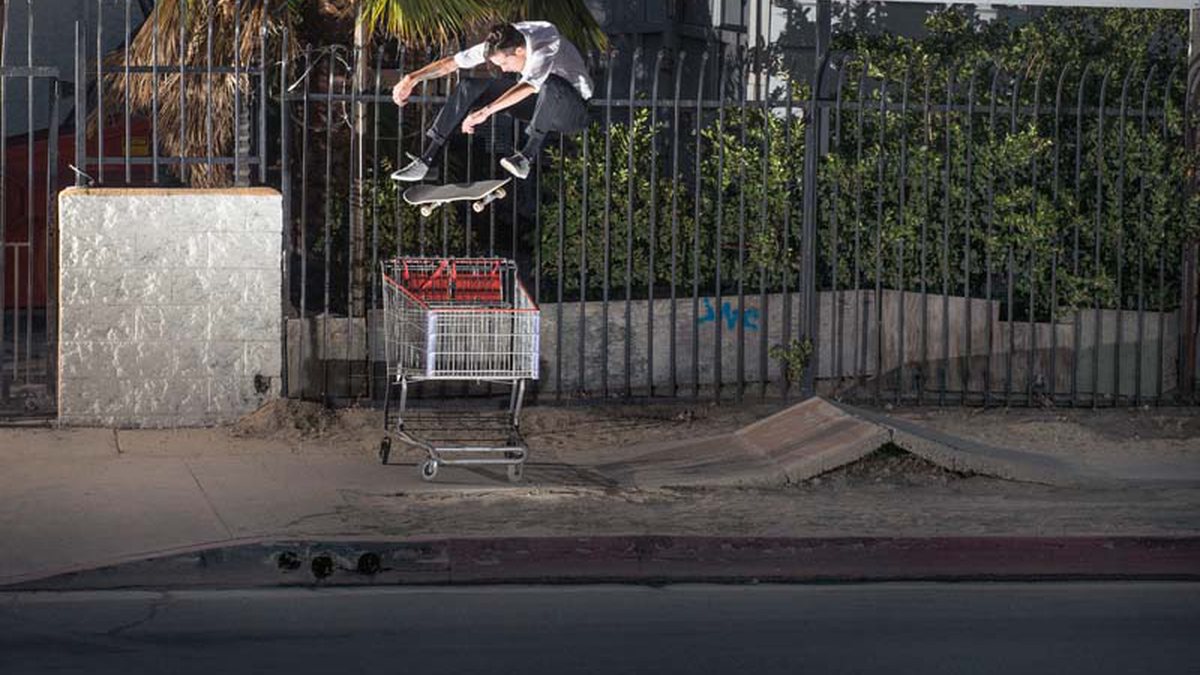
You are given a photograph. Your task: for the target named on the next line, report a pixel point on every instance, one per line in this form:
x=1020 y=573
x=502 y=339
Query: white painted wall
x=170 y=308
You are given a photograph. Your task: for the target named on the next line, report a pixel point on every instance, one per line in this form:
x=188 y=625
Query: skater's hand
x=403 y=90
x=473 y=120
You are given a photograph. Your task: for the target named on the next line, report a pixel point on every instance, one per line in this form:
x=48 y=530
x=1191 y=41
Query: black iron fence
x=29 y=183
x=953 y=235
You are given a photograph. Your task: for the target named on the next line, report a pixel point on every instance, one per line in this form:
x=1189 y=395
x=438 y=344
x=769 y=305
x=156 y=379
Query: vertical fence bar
x=208 y=80
x=879 y=197
x=673 y=356
x=561 y=269
x=927 y=115
x=743 y=85
x=968 y=329
x=237 y=93
x=653 y=207
x=304 y=136
x=51 y=242
x=1010 y=255
x=183 y=20
x=789 y=190
x=100 y=118
x=1097 y=318
x=860 y=337
x=719 y=229
x=327 y=238
x=581 y=383
x=1035 y=164
x=630 y=180
x=154 y=84
x=1058 y=243
x=30 y=197
x=263 y=148
x=285 y=180
x=492 y=176
x=1162 y=258
x=1077 y=319
x=1141 y=241
x=355 y=230
x=607 y=223
x=837 y=342
x=397 y=217
x=987 y=256
x=943 y=375
x=423 y=222
x=1120 y=308
x=80 y=103
x=697 y=189
x=901 y=291
x=373 y=276
x=128 y=141
x=514 y=215
x=764 y=306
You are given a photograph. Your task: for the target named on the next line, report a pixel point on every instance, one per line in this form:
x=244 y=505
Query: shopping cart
x=467 y=319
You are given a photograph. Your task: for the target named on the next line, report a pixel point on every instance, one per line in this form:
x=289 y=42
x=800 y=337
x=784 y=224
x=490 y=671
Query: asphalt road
x=1054 y=628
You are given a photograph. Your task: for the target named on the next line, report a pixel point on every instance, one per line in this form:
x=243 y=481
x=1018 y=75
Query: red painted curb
x=640 y=559
x=833 y=559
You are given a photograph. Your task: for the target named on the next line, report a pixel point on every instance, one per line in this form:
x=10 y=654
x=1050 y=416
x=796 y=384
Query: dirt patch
x=285 y=417
x=889 y=465
x=564 y=432
x=299 y=420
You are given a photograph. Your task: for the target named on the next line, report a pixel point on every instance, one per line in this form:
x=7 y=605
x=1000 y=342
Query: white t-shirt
x=546 y=54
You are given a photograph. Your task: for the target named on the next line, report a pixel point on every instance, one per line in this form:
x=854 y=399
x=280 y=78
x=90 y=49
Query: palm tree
x=417 y=23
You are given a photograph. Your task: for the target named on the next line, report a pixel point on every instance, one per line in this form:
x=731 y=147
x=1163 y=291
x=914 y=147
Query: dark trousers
x=556 y=107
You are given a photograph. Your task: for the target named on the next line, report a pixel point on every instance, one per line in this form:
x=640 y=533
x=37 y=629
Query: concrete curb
x=643 y=560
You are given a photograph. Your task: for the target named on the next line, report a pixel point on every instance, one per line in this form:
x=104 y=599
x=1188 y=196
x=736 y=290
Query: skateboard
x=480 y=193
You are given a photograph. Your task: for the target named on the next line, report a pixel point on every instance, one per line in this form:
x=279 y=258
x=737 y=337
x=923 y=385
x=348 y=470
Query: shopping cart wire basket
x=467 y=319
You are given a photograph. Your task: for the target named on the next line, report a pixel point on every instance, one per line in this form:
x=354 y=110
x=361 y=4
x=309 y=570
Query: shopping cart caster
x=385 y=450
x=429 y=469
x=516 y=472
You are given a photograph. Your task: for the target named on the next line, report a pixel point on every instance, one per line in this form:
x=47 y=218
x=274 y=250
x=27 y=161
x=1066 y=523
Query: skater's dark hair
x=503 y=38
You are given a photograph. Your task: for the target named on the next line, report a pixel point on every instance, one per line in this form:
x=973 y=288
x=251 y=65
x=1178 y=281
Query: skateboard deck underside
x=440 y=194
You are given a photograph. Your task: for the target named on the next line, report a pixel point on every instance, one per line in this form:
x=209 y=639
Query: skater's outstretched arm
x=517 y=93
x=439 y=68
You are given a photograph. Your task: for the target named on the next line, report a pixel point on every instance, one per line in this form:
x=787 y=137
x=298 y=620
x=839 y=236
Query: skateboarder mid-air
x=544 y=83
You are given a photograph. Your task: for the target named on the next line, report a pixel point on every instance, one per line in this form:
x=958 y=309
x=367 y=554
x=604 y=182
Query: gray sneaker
x=517 y=165
x=413 y=171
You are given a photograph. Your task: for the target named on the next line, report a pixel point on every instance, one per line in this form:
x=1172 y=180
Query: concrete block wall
x=170 y=305
x=330 y=354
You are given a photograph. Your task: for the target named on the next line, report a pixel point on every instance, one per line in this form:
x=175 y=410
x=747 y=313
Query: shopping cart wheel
x=515 y=472
x=429 y=469
x=385 y=450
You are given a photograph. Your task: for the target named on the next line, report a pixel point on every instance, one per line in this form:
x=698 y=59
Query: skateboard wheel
x=501 y=194
x=478 y=207
x=426 y=211
x=515 y=473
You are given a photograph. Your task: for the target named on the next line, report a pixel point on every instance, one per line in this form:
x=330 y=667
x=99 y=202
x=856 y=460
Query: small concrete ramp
x=792 y=445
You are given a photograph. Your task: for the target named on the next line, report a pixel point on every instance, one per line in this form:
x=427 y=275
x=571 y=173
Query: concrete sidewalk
x=73 y=500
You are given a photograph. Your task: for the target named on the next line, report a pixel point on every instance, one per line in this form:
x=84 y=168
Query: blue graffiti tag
x=730 y=315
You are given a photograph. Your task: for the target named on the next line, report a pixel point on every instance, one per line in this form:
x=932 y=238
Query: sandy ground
x=887 y=493
x=1159 y=433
